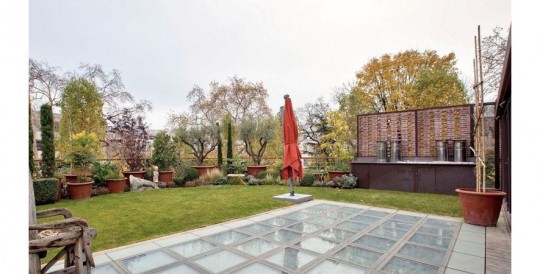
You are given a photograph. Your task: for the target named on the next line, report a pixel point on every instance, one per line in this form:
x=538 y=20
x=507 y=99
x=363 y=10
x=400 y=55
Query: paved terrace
x=318 y=237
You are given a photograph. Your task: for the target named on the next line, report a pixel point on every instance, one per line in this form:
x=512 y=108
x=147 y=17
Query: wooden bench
x=73 y=235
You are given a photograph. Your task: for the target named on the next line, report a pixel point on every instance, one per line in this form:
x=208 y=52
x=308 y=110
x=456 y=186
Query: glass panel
x=330 y=266
x=283 y=235
x=291 y=258
x=386 y=232
x=404 y=266
x=193 y=248
x=375 y=242
x=336 y=214
x=184 y=269
x=365 y=219
x=279 y=221
x=423 y=253
x=256 y=247
x=429 y=240
x=221 y=260
x=145 y=262
x=297 y=215
x=323 y=221
x=316 y=244
x=376 y=213
x=305 y=227
x=337 y=234
x=441 y=232
x=256 y=229
x=350 y=209
x=229 y=237
x=359 y=256
x=406 y=218
x=443 y=223
x=397 y=224
x=353 y=226
x=258 y=268
x=105 y=269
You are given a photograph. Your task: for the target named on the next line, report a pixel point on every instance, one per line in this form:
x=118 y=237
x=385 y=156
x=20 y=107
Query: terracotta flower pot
x=165 y=176
x=116 y=185
x=254 y=170
x=204 y=169
x=71 y=178
x=480 y=208
x=80 y=190
x=332 y=174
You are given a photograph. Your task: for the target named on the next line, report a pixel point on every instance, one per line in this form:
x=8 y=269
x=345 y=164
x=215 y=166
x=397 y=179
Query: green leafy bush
x=220 y=181
x=190 y=174
x=346 y=181
x=45 y=190
x=307 y=180
x=179 y=181
x=262 y=175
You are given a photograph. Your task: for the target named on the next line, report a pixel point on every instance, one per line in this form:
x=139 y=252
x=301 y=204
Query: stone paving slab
x=313 y=237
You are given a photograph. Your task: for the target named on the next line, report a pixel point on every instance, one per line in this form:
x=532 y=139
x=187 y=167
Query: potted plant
x=480 y=206
x=164 y=156
x=115 y=180
x=337 y=170
x=84 y=148
x=256 y=134
x=133 y=133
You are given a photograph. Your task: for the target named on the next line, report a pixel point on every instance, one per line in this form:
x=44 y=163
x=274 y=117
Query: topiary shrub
x=190 y=174
x=307 y=180
x=45 y=190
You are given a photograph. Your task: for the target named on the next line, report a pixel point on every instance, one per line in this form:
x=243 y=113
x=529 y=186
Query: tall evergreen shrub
x=47 y=141
x=219 y=145
x=229 y=142
x=30 y=143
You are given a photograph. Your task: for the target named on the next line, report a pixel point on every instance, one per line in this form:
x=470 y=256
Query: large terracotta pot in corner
x=165 y=176
x=254 y=170
x=80 y=190
x=480 y=208
x=116 y=185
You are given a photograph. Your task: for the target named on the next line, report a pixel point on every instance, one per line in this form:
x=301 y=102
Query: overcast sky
x=303 y=48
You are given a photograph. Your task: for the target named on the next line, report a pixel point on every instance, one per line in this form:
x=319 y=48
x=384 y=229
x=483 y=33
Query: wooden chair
x=73 y=235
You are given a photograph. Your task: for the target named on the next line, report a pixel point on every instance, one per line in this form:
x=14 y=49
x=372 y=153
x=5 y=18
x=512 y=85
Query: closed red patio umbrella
x=292 y=166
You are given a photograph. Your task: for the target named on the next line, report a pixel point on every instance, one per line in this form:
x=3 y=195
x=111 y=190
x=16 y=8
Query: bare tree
x=238 y=99
x=45 y=83
x=493 y=53
x=314 y=124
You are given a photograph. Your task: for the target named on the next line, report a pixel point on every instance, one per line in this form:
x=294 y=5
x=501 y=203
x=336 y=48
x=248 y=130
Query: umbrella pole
x=291 y=185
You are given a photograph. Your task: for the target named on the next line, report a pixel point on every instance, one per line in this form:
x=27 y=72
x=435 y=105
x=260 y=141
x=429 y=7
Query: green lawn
x=130 y=217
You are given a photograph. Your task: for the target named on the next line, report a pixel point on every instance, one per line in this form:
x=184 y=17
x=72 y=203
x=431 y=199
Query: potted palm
x=164 y=156
x=85 y=147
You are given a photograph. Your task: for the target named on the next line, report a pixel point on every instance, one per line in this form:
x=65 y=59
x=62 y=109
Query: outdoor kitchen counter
x=414 y=175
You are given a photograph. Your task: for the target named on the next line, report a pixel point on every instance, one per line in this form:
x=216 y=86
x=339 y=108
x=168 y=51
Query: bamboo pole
x=483 y=120
x=476 y=117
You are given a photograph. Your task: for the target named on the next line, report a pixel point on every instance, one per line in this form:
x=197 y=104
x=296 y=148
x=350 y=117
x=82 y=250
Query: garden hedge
x=45 y=190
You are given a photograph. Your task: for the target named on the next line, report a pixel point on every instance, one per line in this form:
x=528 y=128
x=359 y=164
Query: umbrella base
x=297 y=198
